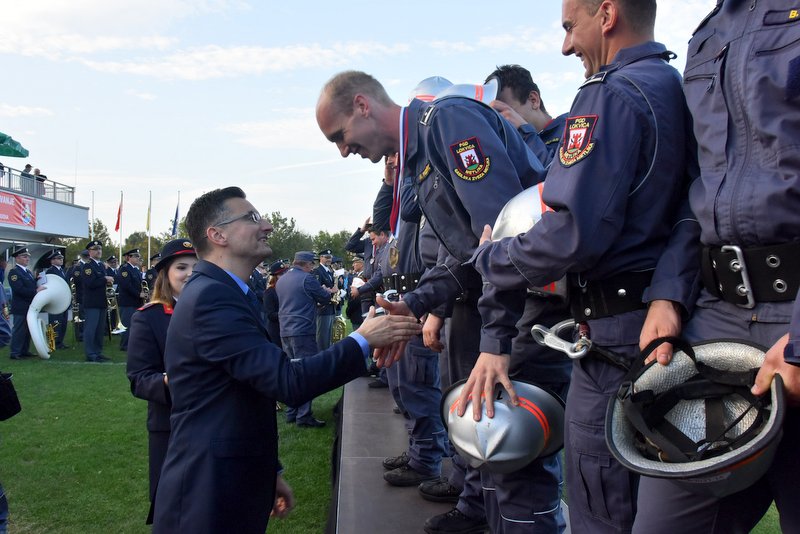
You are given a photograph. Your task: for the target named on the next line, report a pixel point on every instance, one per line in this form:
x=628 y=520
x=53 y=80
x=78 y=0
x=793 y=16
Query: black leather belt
x=597 y=299
x=747 y=276
x=401 y=282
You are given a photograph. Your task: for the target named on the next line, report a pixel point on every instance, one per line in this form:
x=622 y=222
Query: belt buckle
x=738 y=266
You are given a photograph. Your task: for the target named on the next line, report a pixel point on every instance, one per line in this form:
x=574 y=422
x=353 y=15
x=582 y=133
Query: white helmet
x=483 y=93
x=427 y=89
x=694 y=421
x=515 y=436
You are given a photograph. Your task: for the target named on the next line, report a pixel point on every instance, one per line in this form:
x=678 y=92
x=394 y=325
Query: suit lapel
x=212 y=271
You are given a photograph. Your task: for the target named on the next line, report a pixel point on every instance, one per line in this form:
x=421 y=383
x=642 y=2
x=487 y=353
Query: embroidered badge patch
x=578 y=142
x=14 y=278
x=88 y=271
x=124 y=274
x=471 y=165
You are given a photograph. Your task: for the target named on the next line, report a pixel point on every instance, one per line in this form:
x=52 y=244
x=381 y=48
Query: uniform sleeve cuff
x=362 y=342
x=494 y=346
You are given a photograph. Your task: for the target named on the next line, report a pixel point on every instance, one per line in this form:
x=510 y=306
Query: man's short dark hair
x=519 y=80
x=206 y=210
x=342 y=88
x=640 y=14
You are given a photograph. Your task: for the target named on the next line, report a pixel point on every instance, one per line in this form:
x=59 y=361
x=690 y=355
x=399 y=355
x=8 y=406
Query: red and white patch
x=578 y=142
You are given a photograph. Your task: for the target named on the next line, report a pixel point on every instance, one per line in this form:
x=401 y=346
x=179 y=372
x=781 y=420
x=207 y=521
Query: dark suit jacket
x=325 y=279
x=129 y=286
x=93 y=283
x=224 y=377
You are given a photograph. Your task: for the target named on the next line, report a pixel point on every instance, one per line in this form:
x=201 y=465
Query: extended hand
x=488 y=371
x=388 y=334
x=430 y=332
x=486 y=235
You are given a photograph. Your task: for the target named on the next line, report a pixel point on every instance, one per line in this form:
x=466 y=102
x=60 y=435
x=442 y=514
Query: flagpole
x=91 y=223
x=119 y=260
x=149 y=206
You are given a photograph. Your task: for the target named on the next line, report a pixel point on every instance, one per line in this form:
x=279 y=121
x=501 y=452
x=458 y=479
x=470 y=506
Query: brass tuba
x=111 y=301
x=54 y=299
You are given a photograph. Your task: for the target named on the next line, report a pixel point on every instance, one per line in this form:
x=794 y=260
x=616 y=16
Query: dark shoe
x=310 y=423
x=103 y=358
x=455 y=522
x=396 y=410
x=439 y=491
x=393 y=462
x=407 y=476
x=375 y=384
x=63 y=347
x=290 y=421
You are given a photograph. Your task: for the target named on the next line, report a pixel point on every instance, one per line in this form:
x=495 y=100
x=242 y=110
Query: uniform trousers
x=93 y=331
x=125 y=314
x=297 y=347
x=665 y=508
x=20 y=336
x=601 y=493
x=420 y=396
x=528 y=501
x=324 y=329
x=462 y=337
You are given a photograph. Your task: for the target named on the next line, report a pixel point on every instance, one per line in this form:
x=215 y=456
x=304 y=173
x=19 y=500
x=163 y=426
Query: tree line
x=285 y=240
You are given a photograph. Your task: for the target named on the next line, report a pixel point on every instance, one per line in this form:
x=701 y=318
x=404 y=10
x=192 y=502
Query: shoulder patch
x=14 y=278
x=124 y=274
x=599 y=77
x=578 y=142
x=88 y=271
x=425 y=172
x=426 y=116
x=471 y=164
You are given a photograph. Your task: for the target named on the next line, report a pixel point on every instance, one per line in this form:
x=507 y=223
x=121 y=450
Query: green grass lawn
x=75 y=459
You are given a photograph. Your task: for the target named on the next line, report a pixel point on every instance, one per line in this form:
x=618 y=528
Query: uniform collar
x=626 y=56
x=413 y=116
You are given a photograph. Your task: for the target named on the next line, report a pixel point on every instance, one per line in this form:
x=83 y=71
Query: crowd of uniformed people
x=668 y=209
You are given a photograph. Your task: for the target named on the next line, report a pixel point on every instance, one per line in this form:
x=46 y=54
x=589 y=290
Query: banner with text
x=19 y=210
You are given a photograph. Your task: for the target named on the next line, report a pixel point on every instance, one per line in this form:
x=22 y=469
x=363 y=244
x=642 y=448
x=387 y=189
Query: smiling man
x=221 y=469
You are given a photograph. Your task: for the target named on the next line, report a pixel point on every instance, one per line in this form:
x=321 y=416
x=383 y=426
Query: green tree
x=139 y=240
x=334 y=242
x=286 y=238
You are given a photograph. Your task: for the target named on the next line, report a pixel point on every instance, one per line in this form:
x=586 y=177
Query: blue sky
x=180 y=95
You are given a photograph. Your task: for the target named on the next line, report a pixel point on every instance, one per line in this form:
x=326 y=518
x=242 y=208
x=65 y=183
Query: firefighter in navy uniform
x=152 y=272
x=129 y=292
x=94 y=281
x=23 y=289
x=467 y=162
x=742 y=86
x=56 y=259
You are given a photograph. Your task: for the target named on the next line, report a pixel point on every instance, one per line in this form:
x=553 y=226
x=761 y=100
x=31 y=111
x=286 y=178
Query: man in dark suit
x=129 y=292
x=221 y=470
x=23 y=289
x=93 y=283
x=59 y=320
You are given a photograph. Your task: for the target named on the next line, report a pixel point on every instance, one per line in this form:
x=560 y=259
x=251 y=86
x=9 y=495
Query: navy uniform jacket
x=617 y=190
x=129 y=286
x=325 y=279
x=60 y=272
x=741 y=84
x=467 y=162
x=224 y=377
x=146 y=341
x=76 y=277
x=372 y=269
x=272 y=313
x=93 y=283
x=258 y=284
x=545 y=143
x=150 y=277
x=23 y=289
x=299 y=293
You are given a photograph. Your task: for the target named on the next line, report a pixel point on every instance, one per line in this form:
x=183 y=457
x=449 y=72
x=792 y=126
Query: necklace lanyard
x=395 y=215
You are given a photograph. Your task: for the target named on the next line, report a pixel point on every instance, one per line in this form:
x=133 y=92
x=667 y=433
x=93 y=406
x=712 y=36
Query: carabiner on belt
x=552 y=337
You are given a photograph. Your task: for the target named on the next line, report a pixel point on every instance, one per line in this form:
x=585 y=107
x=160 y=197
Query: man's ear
x=534 y=100
x=214 y=235
x=361 y=105
x=610 y=16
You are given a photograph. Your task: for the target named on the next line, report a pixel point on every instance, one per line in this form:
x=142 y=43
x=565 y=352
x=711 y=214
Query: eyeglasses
x=253 y=216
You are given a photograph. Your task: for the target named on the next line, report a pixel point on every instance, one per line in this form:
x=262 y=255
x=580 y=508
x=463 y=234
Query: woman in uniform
x=148 y=336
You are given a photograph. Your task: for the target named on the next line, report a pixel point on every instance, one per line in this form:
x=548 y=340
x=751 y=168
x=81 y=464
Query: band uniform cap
x=85 y=253
x=326 y=252
x=20 y=250
x=94 y=243
x=155 y=256
x=132 y=251
x=176 y=247
x=304 y=255
x=337 y=259
x=111 y=258
x=277 y=267
x=55 y=254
